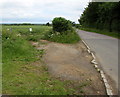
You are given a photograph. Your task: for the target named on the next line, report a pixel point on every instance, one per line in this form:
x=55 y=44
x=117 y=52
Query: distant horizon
x=22 y=23
x=28 y=23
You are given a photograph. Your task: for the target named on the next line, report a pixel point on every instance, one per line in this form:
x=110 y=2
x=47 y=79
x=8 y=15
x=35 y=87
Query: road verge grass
x=69 y=37
x=24 y=73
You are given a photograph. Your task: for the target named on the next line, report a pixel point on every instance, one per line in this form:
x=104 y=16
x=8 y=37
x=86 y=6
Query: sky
x=40 y=11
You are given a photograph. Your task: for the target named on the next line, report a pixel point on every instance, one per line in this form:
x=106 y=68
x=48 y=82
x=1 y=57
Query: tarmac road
x=106 y=50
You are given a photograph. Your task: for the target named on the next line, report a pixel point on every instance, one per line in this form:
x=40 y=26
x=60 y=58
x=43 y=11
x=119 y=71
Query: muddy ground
x=72 y=62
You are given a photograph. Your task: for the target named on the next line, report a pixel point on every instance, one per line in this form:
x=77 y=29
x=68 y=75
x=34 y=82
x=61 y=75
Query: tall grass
x=69 y=37
x=21 y=74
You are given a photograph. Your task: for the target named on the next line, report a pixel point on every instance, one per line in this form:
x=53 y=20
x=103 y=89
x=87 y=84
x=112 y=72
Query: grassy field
x=112 y=34
x=24 y=73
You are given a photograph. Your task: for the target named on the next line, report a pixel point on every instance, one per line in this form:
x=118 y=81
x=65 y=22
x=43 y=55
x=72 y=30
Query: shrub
x=70 y=37
x=61 y=25
x=62 y=32
x=48 y=24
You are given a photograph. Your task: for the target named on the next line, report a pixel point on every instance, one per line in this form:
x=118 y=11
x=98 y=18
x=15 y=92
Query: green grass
x=21 y=74
x=112 y=34
x=0 y=59
x=69 y=37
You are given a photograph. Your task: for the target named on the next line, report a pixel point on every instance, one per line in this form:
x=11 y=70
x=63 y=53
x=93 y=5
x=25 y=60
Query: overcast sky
x=40 y=11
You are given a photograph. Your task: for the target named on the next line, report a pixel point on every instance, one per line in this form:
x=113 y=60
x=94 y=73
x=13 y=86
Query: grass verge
x=112 y=34
x=23 y=71
x=69 y=37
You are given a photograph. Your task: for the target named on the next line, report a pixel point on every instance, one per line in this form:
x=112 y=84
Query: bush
x=48 y=24
x=61 y=25
x=62 y=32
x=70 y=37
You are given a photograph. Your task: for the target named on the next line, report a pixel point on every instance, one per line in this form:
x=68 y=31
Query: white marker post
x=30 y=29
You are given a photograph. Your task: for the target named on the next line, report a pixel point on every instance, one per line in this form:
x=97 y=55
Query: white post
x=30 y=29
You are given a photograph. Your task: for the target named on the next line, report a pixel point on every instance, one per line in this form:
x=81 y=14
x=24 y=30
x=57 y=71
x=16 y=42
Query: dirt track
x=72 y=62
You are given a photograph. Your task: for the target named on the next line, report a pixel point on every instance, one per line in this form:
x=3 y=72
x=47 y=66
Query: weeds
x=66 y=37
x=21 y=75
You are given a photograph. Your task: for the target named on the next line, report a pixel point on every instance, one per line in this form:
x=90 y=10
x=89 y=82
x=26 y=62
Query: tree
x=48 y=24
x=101 y=15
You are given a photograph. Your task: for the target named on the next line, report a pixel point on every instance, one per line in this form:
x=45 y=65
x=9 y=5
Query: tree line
x=102 y=15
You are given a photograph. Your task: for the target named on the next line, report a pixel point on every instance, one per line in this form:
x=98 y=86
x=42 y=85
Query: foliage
x=102 y=15
x=61 y=25
x=48 y=24
x=67 y=37
x=21 y=75
x=62 y=31
x=78 y=26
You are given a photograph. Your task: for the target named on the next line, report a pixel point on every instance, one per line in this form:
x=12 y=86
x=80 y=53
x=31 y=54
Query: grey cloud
x=41 y=11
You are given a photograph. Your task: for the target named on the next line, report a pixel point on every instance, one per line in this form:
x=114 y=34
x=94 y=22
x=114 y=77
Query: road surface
x=106 y=50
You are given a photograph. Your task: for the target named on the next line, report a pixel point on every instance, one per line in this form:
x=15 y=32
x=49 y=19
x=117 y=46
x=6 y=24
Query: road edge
x=106 y=84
